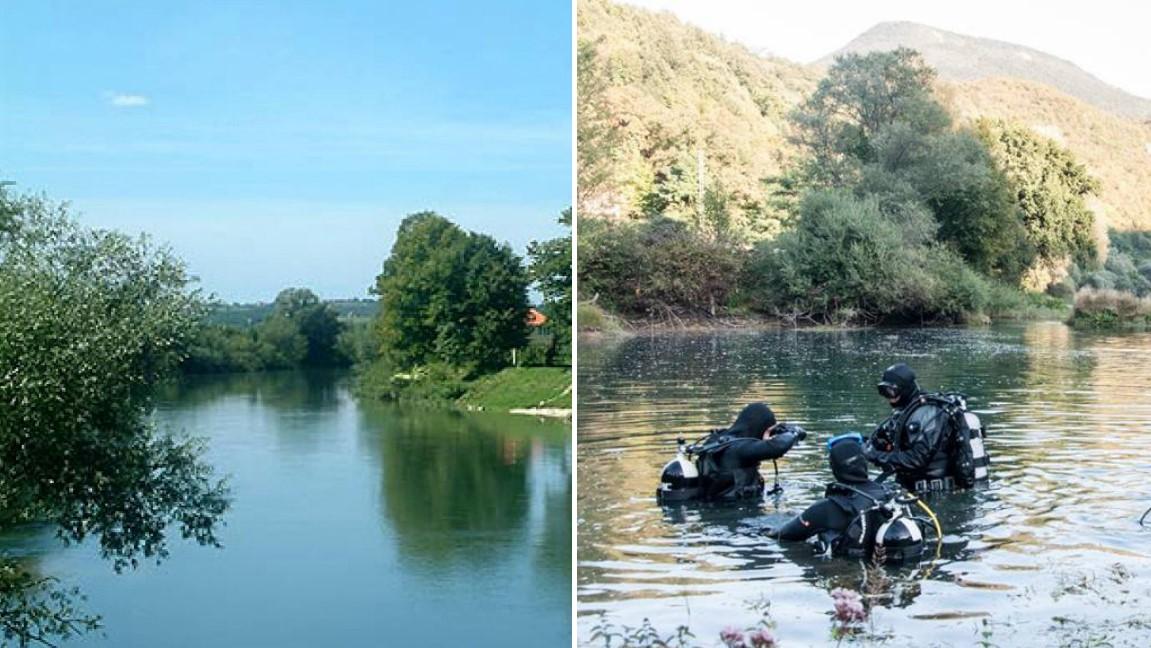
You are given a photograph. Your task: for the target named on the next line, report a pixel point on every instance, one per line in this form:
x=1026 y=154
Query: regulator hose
x=931 y=514
x=1144 y=517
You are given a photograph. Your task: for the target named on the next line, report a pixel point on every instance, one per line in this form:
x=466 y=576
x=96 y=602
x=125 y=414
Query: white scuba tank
x=978 y=452
x=679 y=479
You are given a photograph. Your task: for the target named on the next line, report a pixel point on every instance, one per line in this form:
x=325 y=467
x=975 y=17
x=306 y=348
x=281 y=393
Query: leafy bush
x=845 y=261
x=657 y=269
x=1110 y=309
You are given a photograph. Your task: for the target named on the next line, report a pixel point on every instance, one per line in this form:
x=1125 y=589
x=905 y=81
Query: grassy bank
x=521 y=388
x=594 y=319
x=1110 y=310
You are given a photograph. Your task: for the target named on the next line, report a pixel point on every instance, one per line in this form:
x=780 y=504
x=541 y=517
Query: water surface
x=352 y=525
x=1050 y=553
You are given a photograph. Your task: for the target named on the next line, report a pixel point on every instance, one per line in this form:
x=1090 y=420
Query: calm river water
x=352 y=525
x=1049 y=554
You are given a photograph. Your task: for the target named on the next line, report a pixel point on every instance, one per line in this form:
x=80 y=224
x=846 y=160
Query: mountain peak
x=958 y=57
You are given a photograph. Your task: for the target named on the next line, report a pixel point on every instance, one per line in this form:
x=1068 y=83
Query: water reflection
x=353 y=524
x=1067 y=414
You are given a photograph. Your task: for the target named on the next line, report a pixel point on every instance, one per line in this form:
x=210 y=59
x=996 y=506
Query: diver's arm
x=919 y=453
x=770 y=448
x=821 y=516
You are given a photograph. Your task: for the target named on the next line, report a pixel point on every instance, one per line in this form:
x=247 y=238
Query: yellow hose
x=931 y=514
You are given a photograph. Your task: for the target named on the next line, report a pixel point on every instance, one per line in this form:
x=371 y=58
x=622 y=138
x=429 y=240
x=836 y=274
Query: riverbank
x=595 y=321
x=538 y=391
x=1110 y=310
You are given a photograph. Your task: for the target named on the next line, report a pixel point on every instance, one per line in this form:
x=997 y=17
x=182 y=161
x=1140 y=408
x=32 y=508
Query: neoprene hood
x=753 y=421
x=901 y=379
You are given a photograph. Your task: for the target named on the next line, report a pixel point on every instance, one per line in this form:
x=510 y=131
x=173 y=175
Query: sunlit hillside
x=682 y=96
x=1116 y=150
x=684 y=100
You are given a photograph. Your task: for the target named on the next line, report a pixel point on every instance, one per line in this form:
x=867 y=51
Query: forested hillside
x=695 y=125
x=677 y=101
x=714 y=182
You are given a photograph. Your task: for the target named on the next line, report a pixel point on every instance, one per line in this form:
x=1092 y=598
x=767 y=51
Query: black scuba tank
x=887 y=529
x=679 y=480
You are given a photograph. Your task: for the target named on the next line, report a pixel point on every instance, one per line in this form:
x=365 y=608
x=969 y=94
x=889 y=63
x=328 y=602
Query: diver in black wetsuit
x=914 y=441
x=852 y=493
x=729 y=459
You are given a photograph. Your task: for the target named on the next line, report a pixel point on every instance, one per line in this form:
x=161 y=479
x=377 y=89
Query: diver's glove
x=783 y=428
x=872 y=454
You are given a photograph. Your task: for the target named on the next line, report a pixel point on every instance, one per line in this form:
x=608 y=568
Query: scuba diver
x=726 y=465
x=859 y=517
x=930 y=441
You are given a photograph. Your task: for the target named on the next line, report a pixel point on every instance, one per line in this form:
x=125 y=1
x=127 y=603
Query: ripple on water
x=1050 y=552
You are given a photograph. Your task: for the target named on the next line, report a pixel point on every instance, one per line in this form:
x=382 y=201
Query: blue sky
x=276 y=144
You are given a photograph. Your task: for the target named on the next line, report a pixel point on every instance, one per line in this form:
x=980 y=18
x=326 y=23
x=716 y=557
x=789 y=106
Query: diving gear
x=680 y=478
x=726 y=461
x=887 y=529
x=898 y=382
x=752 y=422
x=846 y=436
x=933 y=437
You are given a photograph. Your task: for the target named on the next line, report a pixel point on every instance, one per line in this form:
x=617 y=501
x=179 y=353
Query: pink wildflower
x=848 y=606
x=761 y=639
x=731 y=637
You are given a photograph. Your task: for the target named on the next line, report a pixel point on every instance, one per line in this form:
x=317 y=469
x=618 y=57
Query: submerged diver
x=930 y=441
x=727 y=460
x=856 y=513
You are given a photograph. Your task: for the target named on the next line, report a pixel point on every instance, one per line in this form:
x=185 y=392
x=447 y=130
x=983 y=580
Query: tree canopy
x=90 y=321
x=550 y=270
x=451 y=297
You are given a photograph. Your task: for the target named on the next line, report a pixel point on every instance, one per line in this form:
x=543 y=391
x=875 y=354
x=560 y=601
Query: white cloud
x=121 y=100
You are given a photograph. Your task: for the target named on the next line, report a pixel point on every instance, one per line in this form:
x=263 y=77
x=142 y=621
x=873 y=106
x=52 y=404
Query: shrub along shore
x=893 y=213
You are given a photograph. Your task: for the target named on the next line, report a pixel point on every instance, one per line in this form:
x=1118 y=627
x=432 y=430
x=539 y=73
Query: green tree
x=451 y=297
x=1050 y=187
x=873 y=125
x=846 y=261
x=316 y=321
x=862 y=95
x=550 y=269
x=954 y=177
x=90 y=321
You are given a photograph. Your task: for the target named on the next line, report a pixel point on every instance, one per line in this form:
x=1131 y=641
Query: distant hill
x=670 y=84
x=966 y=58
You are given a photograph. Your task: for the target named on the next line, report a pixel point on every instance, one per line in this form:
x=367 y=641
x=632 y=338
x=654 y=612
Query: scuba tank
x=679 y=480
x=888 y=528
x=975 y=442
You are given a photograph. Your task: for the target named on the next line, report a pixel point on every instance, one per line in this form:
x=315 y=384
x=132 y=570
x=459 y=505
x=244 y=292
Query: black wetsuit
x=730 y=470
x=913 y=441
x=843 y=500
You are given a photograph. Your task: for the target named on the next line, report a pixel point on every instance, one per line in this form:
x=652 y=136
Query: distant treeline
x=453 y=306
x=296 y=330
x=237 y=314
x=890 y=214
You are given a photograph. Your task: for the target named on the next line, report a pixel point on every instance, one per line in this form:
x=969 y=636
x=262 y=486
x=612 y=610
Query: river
x=1049 y=553
x=352 y=525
